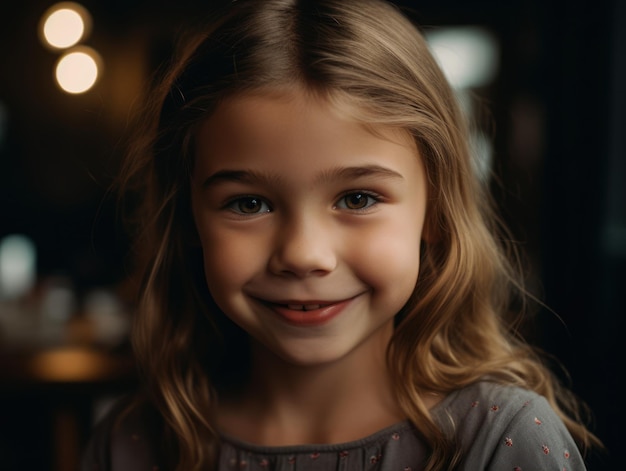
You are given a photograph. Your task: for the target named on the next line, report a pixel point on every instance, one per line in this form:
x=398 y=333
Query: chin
x=311 y=356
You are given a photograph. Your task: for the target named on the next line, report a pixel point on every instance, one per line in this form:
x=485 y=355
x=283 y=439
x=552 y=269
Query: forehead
x=291 y=117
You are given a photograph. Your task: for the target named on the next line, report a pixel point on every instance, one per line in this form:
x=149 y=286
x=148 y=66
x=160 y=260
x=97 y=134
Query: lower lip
x=312 y=318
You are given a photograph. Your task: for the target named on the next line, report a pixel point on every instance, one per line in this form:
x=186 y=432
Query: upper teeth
x=304 y=307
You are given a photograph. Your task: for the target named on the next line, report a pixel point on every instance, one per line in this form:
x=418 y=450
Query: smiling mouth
x=311 y=313
x=308 y=314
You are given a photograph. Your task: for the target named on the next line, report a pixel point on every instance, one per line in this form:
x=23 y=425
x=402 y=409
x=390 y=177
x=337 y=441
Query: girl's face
x=310 y=224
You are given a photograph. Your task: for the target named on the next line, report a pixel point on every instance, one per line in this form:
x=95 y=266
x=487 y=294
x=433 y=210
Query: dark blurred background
x=552 y=115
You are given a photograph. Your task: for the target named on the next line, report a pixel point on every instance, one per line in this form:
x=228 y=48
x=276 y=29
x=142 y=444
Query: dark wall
x=583 y=216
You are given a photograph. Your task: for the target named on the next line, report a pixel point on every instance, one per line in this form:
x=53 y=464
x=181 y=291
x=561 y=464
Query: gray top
x=497 y=428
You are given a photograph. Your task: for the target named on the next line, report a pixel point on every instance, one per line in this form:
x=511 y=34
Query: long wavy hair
x=368 y=56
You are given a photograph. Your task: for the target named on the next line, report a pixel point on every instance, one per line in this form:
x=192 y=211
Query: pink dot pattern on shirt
x=508 y=441
x=264 y=462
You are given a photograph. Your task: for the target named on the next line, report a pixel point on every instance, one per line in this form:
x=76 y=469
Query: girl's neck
x=286 y=404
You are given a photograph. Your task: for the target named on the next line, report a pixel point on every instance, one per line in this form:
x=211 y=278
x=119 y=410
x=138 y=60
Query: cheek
x=228 y=261
x=389 y=258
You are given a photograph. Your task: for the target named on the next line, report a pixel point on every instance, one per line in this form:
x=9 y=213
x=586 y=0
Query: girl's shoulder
x=507 y=427
x=125 y=439
x=486 y=396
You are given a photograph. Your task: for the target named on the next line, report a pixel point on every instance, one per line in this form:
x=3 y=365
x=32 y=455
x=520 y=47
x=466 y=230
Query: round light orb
x=64 y=24
x=78 y=70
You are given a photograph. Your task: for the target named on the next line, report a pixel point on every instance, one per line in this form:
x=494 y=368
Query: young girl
x=322 y=283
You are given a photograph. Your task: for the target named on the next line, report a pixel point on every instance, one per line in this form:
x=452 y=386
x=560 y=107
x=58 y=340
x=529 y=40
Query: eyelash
x=234 y=205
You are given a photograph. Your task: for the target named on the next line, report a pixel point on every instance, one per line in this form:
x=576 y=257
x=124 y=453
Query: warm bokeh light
x=77 y=70
x=69 y=364
x=63 y=25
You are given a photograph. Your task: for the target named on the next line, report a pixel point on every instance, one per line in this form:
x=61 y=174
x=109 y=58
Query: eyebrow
x=336 y=174
x=238 y=176
x=350 y=173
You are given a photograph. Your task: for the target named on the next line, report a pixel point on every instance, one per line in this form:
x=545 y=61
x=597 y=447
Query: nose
x=303 y=247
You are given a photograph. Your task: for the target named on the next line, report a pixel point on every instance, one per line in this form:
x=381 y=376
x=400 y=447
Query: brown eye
x=356 y=201
x=249 y=205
